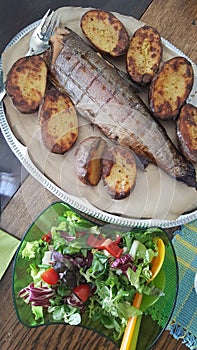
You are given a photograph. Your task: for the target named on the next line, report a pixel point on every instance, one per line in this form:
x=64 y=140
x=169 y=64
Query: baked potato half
x=144 y=55
x=87 y=160
x=105 y=32
x=26 y=83
x=119 y=171
x=170 y=88
x=187 y=131
x=58 y=122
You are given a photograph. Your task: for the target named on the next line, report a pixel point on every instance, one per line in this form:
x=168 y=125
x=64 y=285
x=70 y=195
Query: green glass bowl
x=155 y=318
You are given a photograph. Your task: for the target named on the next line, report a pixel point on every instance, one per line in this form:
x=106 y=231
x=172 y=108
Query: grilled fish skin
x=106 y=100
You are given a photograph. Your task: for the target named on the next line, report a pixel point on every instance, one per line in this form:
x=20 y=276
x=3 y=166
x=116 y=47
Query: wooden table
x=176 y=21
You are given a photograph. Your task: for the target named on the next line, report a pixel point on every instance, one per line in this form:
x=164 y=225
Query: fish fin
x=142 y=162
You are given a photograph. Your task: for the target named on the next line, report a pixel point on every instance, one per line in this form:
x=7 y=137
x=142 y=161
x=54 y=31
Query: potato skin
x=144 y=55
x=170 y=88
x=58 y=122
x=187 y=131
x=105 y=32
x=26 y=83
x=119 y=172
x=87 y=160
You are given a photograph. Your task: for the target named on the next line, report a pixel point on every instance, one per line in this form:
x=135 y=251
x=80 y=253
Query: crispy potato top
x=144 y=55
x=119 y=171
x=105 y=32
x=187 y=131
x=59 y=122
x=26 y=83
x=170 y=87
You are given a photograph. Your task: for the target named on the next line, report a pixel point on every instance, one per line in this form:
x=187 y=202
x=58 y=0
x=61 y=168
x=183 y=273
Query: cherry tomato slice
x=82 y=291
x=47 y=237
x=50 y=276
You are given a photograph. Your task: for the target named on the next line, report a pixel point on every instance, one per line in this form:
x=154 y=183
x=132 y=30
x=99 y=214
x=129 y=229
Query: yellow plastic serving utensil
x=157 y=263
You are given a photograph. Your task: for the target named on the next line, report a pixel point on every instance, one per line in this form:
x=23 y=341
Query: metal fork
x=39 y=41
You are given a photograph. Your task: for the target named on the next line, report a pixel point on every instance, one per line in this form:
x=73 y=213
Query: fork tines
x=48 y=24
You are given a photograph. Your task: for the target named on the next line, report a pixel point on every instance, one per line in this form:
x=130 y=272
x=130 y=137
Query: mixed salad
x=82 y=270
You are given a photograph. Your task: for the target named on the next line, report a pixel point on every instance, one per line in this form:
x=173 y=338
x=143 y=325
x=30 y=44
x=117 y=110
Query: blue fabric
x=183 y=324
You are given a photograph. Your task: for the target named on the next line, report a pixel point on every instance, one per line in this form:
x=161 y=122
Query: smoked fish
x=107 y=101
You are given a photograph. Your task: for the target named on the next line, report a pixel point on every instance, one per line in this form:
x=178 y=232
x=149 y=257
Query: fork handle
x=128 y=334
